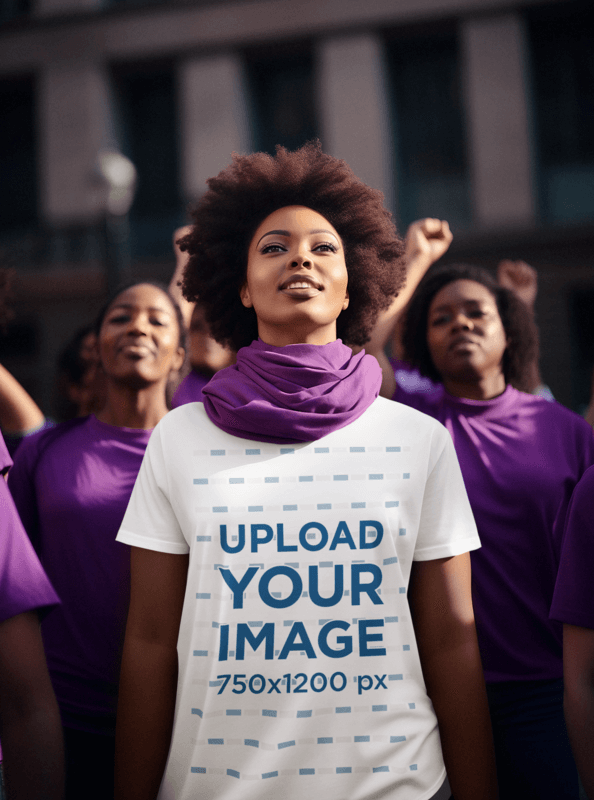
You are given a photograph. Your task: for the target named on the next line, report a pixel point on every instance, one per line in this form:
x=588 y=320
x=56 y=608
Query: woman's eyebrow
x=287 y=233
x=277 y=233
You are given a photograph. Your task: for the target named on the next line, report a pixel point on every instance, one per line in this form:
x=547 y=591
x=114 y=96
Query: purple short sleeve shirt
x=573 y=601
x=72 y=491
x=190 y=389
x=23 y=583
x=521 y=457
x=5 y=459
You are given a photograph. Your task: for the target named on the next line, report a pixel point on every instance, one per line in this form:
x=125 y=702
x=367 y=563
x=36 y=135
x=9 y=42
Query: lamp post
x=118 y=175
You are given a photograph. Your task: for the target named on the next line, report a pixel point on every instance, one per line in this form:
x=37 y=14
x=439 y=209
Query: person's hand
x=181 y=258
x=427 y=240
x=520 y=278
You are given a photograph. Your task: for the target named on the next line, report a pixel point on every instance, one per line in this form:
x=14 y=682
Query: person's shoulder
x=193 y=413
x=551 y=409
x=585 y=487
x=36 y=443
x=427 y=402
x=395 y=414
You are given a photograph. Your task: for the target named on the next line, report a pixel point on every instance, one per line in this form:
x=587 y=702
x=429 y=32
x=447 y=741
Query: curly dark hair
x=520 y=328
x=251 y=188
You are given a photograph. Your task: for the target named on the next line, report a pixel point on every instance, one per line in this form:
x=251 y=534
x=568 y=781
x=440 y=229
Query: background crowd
x=458 y=344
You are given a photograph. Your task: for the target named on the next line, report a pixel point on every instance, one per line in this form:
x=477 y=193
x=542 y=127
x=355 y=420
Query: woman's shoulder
x=404 y=421
x=550 y=410
x=35 y=444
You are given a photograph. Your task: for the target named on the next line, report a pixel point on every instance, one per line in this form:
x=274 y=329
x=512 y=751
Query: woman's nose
x=138 y=324
x=463 y=322
x=301 y=260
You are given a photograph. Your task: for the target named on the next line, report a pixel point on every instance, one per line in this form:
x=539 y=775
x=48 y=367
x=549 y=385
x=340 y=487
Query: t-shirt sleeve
x=150 y=520
x=5 y=459
x=573 y=599
x=24 y=585
x=447 y=526
x=21 y=482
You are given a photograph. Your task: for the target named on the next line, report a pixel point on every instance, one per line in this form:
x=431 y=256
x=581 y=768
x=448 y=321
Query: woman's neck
x=484 y=387
x=130 y=408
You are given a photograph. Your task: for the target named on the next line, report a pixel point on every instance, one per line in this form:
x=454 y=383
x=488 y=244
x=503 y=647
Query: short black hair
x=520 y=328
x=251 y=188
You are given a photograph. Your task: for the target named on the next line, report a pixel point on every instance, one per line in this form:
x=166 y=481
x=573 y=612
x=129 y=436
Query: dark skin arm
x=578 y=702
x=443 y=618
x=30 y=726
x=149 y=671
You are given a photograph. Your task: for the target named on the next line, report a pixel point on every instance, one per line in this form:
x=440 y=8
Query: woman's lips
x=136 y=350
x=463 y=343
x=300 y=287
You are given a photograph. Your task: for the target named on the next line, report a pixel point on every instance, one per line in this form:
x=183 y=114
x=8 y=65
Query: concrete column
x=74 y=124
x=353 y=108
x=214 y=120
x=498 y=124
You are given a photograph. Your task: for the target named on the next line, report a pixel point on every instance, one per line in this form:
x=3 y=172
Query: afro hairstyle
x=252 y=187
x=520 y=328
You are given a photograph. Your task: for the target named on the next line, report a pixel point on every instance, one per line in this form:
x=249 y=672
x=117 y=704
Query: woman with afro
x=300 y=617
x=521 y=456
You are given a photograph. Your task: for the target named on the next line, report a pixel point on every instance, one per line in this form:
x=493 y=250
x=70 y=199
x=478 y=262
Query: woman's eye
x=441 y=320
x=119 y=319
x=325 y=247
x=155 y=321
x=273 y=248
x=476 y=313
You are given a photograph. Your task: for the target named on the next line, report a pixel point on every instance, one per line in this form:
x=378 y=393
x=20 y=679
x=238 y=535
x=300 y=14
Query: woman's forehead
x=143 y=295
x=462 y=290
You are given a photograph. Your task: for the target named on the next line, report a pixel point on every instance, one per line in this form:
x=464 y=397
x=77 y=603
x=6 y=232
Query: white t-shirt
x=299 y=670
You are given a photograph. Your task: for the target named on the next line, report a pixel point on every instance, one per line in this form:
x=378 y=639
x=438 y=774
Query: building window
x=282 y=97
x=562 y=65
x=428 y=124
x=18 y=156
x=146 y=121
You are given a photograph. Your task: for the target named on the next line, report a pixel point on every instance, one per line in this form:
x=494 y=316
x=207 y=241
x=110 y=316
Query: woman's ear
x=244 y=296
x=178 y=360
x=345 y=305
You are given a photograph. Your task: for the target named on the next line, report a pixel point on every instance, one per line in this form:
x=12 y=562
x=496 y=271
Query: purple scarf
x=297 y=393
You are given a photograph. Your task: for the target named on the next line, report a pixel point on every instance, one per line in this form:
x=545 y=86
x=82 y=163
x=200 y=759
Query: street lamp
x=118 y=175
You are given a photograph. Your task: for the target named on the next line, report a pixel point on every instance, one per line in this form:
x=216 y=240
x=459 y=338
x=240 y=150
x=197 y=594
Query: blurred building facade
x=480 y=112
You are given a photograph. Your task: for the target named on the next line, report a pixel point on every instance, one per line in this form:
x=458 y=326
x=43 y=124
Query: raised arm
x=148 y=680
x=426 y=241
x=19 y=413
x=522 y=280
x=181 y=260
x=441 y=606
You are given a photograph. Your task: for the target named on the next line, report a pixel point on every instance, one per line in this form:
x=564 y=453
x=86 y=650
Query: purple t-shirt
x=521 y=457
x=71 y=486
x=23 y=583
x=573 y=600
x=190 y=389
x=5 y=459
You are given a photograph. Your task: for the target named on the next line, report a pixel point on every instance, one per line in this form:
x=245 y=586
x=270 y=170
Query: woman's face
x=296 y=278
x=139 y=337
x=465 y=335
x=206 y=354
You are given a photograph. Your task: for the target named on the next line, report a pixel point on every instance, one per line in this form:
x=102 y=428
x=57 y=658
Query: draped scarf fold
x=297 y=393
